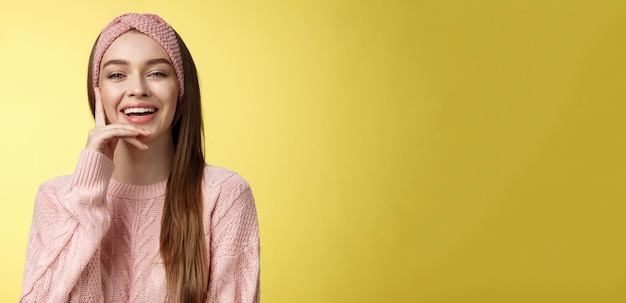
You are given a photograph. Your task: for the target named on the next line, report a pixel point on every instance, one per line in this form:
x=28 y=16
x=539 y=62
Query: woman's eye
x=158 y=74
x=115 y=75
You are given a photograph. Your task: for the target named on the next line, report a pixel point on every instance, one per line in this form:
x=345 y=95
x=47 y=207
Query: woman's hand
x=103 y=138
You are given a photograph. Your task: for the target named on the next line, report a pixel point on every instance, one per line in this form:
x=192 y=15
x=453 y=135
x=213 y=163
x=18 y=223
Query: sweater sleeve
x=234 y=268
x=69 y=222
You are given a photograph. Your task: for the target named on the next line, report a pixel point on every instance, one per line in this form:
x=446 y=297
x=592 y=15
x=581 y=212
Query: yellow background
x=399 y=151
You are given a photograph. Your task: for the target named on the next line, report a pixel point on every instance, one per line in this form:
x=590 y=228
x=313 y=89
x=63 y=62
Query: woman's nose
x=138 y=87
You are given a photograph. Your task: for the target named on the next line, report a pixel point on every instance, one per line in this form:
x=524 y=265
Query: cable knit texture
x=94 y=239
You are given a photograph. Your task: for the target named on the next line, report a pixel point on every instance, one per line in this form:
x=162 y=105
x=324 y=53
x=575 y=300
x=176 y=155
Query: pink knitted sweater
x=95 y=239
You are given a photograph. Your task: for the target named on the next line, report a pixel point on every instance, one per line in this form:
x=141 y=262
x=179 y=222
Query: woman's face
x=138 y=84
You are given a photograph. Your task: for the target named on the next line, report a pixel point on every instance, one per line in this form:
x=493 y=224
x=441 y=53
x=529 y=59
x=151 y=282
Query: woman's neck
x=143 y=167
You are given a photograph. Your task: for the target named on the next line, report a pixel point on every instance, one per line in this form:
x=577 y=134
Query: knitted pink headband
x=150 y=25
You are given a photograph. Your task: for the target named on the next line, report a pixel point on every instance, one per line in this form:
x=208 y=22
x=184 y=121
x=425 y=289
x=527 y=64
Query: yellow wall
x=400 y=151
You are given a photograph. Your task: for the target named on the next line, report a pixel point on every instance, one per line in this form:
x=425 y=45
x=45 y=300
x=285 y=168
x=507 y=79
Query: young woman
x=143 y=218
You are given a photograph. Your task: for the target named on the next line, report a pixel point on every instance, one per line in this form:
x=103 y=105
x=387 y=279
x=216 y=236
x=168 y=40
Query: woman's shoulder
x=55 y=184
x=215 y=176
x=221 y=184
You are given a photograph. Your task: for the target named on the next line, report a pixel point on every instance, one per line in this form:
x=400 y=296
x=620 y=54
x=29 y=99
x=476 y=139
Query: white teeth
x=138 y=110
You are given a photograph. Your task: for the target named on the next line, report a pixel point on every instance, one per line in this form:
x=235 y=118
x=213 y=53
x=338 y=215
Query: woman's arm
x=234 y=272
x=69 y=221
x=71 y=218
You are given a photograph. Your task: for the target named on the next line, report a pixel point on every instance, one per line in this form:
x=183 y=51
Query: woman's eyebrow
x=115 y=61
x=124 y=62
x=158 y=61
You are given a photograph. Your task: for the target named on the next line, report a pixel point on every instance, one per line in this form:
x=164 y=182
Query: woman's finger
x=100 y=137
x=99 y=112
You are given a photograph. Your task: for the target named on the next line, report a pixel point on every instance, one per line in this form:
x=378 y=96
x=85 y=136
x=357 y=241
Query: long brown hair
x=182 y=243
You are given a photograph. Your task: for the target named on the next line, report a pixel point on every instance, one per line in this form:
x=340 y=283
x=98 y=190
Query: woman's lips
x=139 y=115
x=139 y=119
